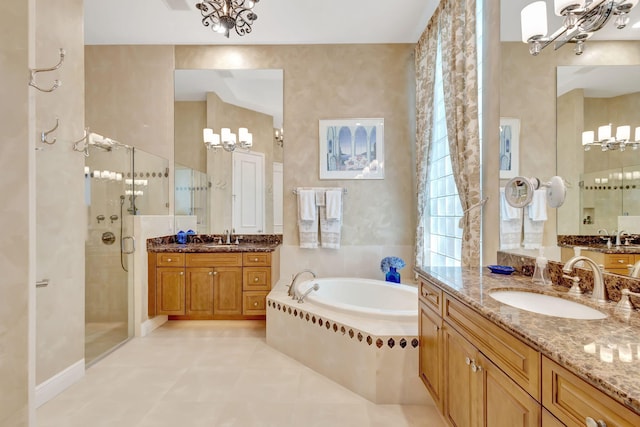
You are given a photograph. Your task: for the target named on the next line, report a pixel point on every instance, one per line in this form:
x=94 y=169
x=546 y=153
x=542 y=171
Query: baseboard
x=148 y=326
x=58 y=383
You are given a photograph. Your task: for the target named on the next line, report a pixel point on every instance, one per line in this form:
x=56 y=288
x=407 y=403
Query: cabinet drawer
x=515 y=358
x=254 y=303
x=170 y=259
x=431 y=295
x=214 y=260
x=572 y=399
x=256 y=259
x=618 y=260
x=256 y=278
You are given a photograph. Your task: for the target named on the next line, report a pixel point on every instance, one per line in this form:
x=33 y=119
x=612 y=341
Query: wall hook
x=82 y=145
x=44 y=134
x=34 y=71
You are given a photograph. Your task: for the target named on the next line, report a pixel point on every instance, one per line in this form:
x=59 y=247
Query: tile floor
x=215 y=373
x=100 y=337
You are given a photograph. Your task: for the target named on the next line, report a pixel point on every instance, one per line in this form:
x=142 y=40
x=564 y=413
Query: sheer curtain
x=454 y=22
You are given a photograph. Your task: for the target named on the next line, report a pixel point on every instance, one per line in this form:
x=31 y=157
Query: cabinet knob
x=620 y=261
x=436 y=328
x=255 y=279
x=255 y=260
x=590 y=422
x=467 y=361
x=168 y=259
x=215 y=273
x=211 y=273
x=425 y=293
x=255 y=304
x=474 y=367
x=182 y=273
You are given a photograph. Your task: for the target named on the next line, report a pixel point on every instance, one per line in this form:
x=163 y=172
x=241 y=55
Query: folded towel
x=506 y=210
x=330 y=230
x=538 y=206
x=334 y=204
x=319 y=197
x=307 y=205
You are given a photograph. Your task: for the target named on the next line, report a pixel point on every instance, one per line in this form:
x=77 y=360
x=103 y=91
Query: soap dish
x=501 y=269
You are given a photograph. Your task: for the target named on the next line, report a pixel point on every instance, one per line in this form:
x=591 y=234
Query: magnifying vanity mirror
x=231 y=187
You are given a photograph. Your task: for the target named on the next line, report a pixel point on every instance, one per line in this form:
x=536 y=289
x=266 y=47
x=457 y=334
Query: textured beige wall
x=190 y=119
x=17 y=157
x=60 y=213
x=528 y=92
x=129 y=95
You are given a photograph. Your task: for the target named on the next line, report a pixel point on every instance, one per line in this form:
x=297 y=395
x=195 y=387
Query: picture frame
x=351 y=148
x=509 y=147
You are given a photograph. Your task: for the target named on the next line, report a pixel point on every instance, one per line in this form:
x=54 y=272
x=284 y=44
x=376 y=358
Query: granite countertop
x=605 y=353
x=208 y=243
x=622 y=249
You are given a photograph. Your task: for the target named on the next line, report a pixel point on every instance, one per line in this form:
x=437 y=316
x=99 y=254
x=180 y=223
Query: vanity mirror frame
x=231 y=98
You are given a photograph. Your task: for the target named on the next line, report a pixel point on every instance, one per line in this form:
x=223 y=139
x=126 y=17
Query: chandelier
x=607 y=142
x=581 y=19
x=227 y=140
x=224 y=15
x=278 y=136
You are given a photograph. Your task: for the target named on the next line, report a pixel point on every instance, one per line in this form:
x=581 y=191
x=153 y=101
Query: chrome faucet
x=227 y=233
x=598 y=282
x=292 y=286
x=619 y=234
x=315 y=287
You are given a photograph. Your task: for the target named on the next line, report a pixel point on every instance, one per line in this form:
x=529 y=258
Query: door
x=170 y=293
x=278 y=192
x=248 y=193
x=227 y=291
x=199 y=291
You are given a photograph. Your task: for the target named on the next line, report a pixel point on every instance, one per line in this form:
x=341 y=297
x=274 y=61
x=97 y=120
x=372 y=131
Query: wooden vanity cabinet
x=430 y=334
x=613 y=263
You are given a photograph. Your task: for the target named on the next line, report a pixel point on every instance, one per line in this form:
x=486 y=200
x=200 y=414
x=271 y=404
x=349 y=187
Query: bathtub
x=365 y=297
x=360 y=333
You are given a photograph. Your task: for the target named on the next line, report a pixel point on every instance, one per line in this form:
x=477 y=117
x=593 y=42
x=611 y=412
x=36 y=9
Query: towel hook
x=45 y=134
x=85 y=139
x=34 y=71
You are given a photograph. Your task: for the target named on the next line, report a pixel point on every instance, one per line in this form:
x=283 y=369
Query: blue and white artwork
x=509 y=144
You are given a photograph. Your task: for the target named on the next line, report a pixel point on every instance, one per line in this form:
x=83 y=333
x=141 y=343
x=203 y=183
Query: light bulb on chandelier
x=606 y=142
x=227 y=140
x=226 y=15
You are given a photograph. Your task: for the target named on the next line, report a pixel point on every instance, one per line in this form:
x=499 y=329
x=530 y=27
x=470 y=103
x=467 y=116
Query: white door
x=248 y=192
x=277 y=198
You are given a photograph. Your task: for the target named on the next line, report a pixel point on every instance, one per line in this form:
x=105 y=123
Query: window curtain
x=425 y=58
x=460 y=81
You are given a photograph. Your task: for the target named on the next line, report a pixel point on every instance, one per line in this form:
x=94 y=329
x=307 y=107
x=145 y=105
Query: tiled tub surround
x=209 y=243
x=605 y=353
x=613 y=283
x=377 y=359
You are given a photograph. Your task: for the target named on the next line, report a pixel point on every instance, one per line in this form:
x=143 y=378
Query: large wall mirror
x=220 y=189
x=605 y=190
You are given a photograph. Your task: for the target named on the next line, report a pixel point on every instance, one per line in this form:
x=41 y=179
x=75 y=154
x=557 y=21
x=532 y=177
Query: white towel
x=307 y=205
x=533 y=233
x=334 y=204
x=506 y=210
x=538 y=206
x=307 y=228
x=330 y=230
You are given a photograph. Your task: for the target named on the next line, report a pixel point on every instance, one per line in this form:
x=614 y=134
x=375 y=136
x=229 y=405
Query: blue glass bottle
x=181 y=237
x=392 y=275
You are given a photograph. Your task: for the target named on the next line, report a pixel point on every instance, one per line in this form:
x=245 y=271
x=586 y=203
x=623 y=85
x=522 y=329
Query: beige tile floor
x=215 y=373
x=100 y=337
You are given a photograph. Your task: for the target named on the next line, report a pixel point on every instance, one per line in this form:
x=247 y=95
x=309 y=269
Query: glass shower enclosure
x=120 y=182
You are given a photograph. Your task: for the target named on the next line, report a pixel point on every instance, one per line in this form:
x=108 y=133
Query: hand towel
x=307 y=205
x=533 y=232
x=330 y=230
x=506 y=210
x=334 y=204
x=538 y=206
x=307 y=228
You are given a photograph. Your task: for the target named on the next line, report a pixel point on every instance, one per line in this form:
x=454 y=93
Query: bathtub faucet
x=292 y=286
x=315 y=287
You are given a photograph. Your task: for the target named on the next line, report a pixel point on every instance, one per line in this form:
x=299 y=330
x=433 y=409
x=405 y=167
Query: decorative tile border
x=352 y=333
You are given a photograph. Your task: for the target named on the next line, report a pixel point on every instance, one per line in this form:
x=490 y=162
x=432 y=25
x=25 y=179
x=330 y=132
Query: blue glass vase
x=393 y=275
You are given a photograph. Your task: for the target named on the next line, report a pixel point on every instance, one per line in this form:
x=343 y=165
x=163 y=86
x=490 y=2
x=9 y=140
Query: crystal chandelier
x=581 y=19
x=607 y=142
x=224 y=15
x=226 y=139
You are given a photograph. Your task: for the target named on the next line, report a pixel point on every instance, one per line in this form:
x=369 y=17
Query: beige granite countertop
x=605 y=353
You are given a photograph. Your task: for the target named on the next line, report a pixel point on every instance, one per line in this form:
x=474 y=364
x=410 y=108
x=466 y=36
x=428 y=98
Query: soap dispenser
x=540 y=273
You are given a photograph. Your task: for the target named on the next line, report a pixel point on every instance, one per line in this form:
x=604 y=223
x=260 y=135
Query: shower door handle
x=133 y=245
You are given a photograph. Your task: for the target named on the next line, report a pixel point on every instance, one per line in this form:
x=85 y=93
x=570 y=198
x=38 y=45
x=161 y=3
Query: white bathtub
x=364 y=297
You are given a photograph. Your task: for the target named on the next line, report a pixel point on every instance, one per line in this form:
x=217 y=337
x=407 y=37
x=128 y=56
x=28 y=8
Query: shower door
x=110 y=204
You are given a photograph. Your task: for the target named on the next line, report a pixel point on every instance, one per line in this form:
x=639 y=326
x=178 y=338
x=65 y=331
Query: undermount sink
x=547 y=305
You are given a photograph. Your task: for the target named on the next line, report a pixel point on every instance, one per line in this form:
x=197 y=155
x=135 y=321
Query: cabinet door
x=227 y=291
x=431 y=352
x=504 y=403
x=463 y=387
x=199 y=291
x=170 y=292
x=257 y=278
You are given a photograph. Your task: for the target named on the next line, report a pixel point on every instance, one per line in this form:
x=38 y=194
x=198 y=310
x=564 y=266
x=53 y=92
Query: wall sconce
x=226 y=139
x=606 y=142
x=278 y=136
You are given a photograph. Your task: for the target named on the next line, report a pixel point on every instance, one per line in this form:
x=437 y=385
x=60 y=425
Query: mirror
x=220 y=189
x=606 y=184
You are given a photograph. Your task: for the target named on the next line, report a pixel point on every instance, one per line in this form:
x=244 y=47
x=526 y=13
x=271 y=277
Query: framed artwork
x=509 y=147
x=351 y=149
